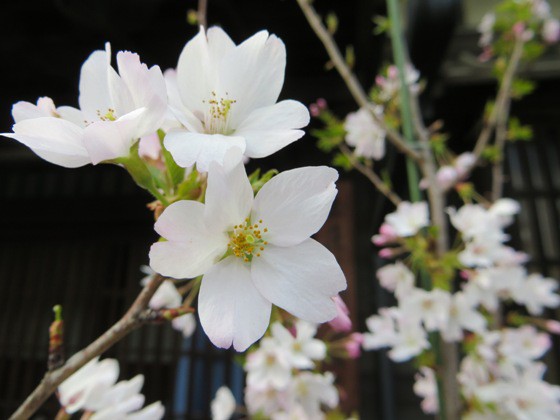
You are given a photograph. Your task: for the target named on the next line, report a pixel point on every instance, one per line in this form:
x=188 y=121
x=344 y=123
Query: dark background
x=77 y=237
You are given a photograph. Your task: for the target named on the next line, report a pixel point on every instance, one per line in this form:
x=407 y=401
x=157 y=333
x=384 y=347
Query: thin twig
x=378 y=183
x=502 y=99
x=52 y=379
x=350 y=78
x=202 y=12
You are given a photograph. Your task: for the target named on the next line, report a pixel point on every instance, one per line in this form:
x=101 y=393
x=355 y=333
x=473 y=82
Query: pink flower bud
x=518 y=29
x=551 y=31
x=380 y=81
x=354 y=345
x=342 y=322
x=387 y=230
x=314 y=110
x=386 y=253
x=464 y=274
x=392 y=72
x=322 y=103
x=552 y=326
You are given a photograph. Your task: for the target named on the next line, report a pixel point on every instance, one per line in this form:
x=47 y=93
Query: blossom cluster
x=286 y=376
x=184 y=135
x=94 y=390
x=493 y=274
x=528 y=20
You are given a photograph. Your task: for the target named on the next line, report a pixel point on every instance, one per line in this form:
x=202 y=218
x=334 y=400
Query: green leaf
x=176 y=174
x=342 y=161
x=332 y=23
x=516 y=131
x=522 y=87
x=350 y=56
x=382 y=24
x=258 y=181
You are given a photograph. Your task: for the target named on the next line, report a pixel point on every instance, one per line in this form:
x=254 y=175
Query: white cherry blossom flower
x=462 y=316
x=253 y=252
x=311 y=390
x=75 y=392
x=486 y=29
x=269 y=366
x=304 y=348
x=425 y=386
x=396 y=278
x=116 y=109
x=186 y=324
x=226 y=98
x=382 y=329
x=537 y=293
x=408 y=219
x=429 y=307
x=364 y=134
x=223 y=404
x=92 y=388
x=266 y=400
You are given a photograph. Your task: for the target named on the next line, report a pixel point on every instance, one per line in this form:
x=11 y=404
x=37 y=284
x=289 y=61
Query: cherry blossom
x=408 y=219
x=223 y=404
x=226 y=98
x=364 y=134
x=116 y=109
x=425 y=386
x=253 y=252
x=303 y=348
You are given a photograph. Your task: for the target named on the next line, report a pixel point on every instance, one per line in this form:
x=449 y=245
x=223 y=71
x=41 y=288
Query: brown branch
x=377 y=182
x=202 y=12
x=502 y=99
x=350 y=78
x=130 y=321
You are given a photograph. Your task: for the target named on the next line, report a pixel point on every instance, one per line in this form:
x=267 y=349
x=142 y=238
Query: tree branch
x=52 y=379
x=377 y=182
x=350 y=79
x=503 y=99
x=202 y=12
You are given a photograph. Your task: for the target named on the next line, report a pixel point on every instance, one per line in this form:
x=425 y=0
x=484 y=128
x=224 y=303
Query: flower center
x=216 y=119
x=246 y=241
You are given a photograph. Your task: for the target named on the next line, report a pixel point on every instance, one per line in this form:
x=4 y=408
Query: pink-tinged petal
x=301 y=279
x=53 y=139
x=229 y=196
x=147 y=89
x=191 y=249
x=253 y=74
x=94 y=84
x=26 y=110
x=269 y=129
x=202 y=149
x=197 y=74
x=153 y=411
x=107 y=140
x=231 y=309
x=295 y=204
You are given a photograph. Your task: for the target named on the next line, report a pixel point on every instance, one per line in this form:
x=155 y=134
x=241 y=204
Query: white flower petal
x=253 y=74
x=231 y=309
x=202 y=149
x=229 y=197
x=295 y=204
x=198 y=67
x=94 y=84
x=147 y=89
x=191 y=249
x=26 y=110
x=153 y=411
x=107 y=140
x=53 y=139
x=269 y=129
x=300 y=279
